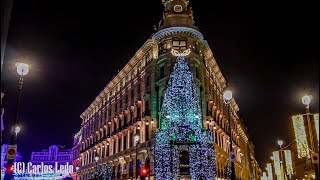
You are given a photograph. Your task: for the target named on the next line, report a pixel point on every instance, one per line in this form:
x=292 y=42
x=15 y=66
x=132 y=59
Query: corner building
x=131 y=103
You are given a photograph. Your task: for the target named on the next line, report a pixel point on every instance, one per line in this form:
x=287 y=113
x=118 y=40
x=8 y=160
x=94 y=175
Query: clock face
x=178 y=8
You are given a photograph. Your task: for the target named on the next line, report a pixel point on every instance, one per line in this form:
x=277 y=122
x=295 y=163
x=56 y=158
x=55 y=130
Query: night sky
x=266 y=51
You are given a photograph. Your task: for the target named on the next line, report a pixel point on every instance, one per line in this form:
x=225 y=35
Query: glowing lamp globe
x=280 y=142
x=17 y=129
x=306 y=100
x=77 y=168
x=96 y=158
x=227 y=95
x=136 y=137
x=22 y=69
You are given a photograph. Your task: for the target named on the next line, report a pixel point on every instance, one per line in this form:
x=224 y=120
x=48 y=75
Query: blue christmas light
x=181 y=121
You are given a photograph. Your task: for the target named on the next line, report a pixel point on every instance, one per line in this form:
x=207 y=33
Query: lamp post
x=306 y=100
x=22 y=70
x=137 y=139
x=77 y=169
x=227 y=96
x=282 y=163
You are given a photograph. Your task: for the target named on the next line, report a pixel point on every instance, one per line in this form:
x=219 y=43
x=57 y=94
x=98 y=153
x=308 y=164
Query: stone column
x=127 y=160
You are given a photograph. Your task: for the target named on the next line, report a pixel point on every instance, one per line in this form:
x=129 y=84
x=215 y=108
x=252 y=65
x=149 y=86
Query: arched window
x=131 y=169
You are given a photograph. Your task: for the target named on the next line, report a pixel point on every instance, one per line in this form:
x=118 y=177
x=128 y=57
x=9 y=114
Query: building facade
x=131 y=102
x=52 y=155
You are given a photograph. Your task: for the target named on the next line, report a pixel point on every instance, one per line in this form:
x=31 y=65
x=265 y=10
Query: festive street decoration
x=316 y=123
x=182 y=147
x=301 y=137
x=277 y=166
x=288 y=160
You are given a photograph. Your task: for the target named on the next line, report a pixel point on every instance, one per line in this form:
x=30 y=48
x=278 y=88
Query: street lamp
x=22 y=70
x=306 y=100
x=280 y=143
x=17 y=130
x=77 y=169
x=227 y=96
x=136 y=138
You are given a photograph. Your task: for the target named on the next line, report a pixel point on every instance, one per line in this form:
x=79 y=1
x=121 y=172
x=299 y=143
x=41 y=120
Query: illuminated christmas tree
x=181 y=139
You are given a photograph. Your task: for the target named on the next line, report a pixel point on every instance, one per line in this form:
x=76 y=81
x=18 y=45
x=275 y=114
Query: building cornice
x=124 y=72
x=177 y=30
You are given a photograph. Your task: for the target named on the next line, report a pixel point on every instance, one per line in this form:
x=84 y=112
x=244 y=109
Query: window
x=197 y=72
x=161 y=72
x=120 y=103
x=139 y=88
x=147 y=132
x=119 y=144
x=147 y=81
x=109 y=111
x=126 y=99
x=179 y=43
x=131 y=139
x=124 y=142
x=163 y=46
x=147 y=110
x=115 y=107
x=132 y=94
x=114 y=146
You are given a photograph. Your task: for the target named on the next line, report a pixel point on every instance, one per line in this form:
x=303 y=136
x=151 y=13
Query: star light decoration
x=181 y=121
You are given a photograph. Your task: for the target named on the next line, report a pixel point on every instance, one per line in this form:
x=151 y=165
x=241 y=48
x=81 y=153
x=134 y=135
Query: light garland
x=276 y=161
x=288 y=159
x=181 y=123
x=269 y=170
x=264 y=176
x=301 y=137
x=316 y=123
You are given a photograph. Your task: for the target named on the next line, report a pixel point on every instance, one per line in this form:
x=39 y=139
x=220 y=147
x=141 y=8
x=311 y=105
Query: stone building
x=131 y=103
x=52 y=155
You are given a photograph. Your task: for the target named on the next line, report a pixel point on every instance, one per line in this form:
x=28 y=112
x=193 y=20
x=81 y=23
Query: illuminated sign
x=29 y=168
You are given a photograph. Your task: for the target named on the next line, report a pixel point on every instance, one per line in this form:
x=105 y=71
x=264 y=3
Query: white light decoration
x=276 y=161
x=178 y=54
x=288 y=160
x=300 y=135
x=316 y=123
x=269 y=170
x=181 y=123
x=264 y=176
x=22 y=69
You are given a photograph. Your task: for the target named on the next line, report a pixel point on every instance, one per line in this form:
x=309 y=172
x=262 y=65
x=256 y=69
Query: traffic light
x=9 y=169
x=144 y=171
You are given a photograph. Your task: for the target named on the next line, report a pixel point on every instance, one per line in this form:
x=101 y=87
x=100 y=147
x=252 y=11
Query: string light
x=276 y=161
x=269 y=170
x=181 y=121
x=316 y=122
x=300 y=134
x=288 y=159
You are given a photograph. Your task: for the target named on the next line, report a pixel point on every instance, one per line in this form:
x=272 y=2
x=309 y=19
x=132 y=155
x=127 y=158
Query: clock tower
x=177 y=13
